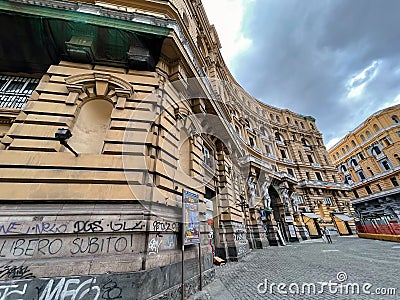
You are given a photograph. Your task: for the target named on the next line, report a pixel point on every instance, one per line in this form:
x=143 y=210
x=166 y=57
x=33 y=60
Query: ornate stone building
x=153 y=111
x=368 y=159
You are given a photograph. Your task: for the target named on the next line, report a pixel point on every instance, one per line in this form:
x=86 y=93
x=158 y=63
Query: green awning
x=80 y=17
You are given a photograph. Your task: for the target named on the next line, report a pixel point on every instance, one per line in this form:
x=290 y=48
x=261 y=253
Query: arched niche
x=91 y=125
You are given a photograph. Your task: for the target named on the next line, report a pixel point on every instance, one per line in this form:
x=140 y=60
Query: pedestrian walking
x=327 y=235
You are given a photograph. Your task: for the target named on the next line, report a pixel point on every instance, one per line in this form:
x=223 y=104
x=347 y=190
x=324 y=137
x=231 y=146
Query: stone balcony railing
x=316 y=165
x=325 y=184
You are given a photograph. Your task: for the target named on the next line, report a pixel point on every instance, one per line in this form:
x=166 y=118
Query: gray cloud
x=305 y=52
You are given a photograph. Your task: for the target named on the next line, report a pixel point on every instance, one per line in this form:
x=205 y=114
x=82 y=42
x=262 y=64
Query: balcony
x=380 y=156
x=357 y=168
x=308 y=148
x=250 y=158
x=316 y=165
x=377 y=176
x=272 y=156
x=288 y=160
x=280 y=142
x=325 y=184
x=256 y=149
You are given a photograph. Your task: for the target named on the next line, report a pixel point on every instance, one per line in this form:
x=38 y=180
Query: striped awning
x=312 y=215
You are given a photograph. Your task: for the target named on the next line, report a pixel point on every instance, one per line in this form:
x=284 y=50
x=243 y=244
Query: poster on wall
x=292 y=231
x=191 y=222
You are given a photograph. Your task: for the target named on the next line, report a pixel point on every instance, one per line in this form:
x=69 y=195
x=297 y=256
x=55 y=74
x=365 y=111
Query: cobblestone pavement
x=349 y=260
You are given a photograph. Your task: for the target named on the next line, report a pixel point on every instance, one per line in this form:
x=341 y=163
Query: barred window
x=15 y=90
x=328 y=201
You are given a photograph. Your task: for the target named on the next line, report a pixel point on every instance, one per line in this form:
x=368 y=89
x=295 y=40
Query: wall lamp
x=62 y=135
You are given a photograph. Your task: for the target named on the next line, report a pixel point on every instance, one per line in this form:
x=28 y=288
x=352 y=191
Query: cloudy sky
x=337 y=60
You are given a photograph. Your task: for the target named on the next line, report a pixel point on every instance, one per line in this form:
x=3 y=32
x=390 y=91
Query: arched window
x=347 y=148
x=278 y=137
x=89 y=131
x=353 y=143
x=375 y=150
x=288 y=120
x=396 y=156
x=278 y=119
x=362 y=137
x=376 y=128
x=271 y=116
x=296 y=123
x=368 y=134
x=395 y=119
x=337 y=154
x=312 y=126
x=343 y=151
x=305 y=142
x=343 y=169
x=353 y=163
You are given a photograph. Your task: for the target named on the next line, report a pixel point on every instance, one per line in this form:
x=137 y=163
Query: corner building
x=368 y=159
x=153 y=111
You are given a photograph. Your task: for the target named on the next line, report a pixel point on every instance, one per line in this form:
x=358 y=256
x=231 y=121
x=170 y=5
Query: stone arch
x=98 y=85
x=95 y=95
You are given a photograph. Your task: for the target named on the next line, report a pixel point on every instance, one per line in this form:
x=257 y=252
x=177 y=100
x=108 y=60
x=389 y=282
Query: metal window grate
x=15 y=90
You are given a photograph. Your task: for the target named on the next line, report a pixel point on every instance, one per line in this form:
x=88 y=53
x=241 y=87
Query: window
x=267 y=149
x=318 y=175
x=237 y=129
x=375 y=150
x=15 y=91
x=288 y=120
x=283 y=153
x=361 y=155
x=301 y=156
x=271 y=116
x=333 y=178
x=302 y=125
x=396 y=156
x=353 y=143
x=376 y=128
x=368 y=189
x=305 y=142
x=290 y=172
x=310 y=159
x=343 y=151
x=394 y=181
x=361 y=175
x=362 y=138
x=251 y=140
x=278 y=119
x=296 y=123
x=343 y=168
x=395 y=119
x=368 y=134
x=278 y=137
x=353 y=163
x=312 y=126
x=328 y=201
x=347 y=148
x=308 y=175
x=370 y=171
x=379 y=187
x=206 y=156
x=385 y=165
x=356 y=194
x=325 y=159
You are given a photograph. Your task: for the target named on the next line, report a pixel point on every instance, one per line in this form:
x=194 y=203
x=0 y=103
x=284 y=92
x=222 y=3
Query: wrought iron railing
x=15 y=91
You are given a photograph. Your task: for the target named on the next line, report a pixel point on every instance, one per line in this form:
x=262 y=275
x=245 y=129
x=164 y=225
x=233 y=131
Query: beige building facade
x=368 y=159
x=153 y=112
